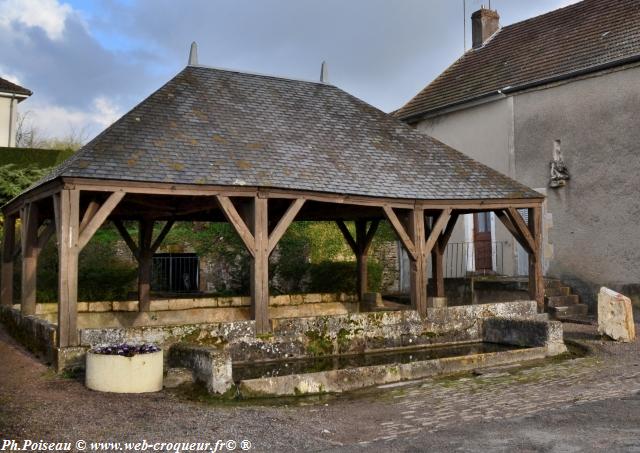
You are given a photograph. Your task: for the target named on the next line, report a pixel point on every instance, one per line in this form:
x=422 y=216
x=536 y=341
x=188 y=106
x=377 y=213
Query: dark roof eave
x=14 y=204
x=414 y=118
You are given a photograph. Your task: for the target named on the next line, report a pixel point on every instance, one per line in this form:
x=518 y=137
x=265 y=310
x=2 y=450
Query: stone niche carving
x=558 y=169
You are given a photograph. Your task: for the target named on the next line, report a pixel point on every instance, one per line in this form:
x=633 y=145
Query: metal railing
x=175 y=273
x=460 y=258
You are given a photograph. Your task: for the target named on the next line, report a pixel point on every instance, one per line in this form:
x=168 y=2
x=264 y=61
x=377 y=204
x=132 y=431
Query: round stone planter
x=141 y=373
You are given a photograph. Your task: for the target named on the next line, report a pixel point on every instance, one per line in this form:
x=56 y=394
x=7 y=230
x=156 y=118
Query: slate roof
x=578 y=37
x=10 y=87
x=220 y=127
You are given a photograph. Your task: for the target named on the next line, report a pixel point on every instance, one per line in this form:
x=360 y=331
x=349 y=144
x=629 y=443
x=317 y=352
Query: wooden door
x=482 y=241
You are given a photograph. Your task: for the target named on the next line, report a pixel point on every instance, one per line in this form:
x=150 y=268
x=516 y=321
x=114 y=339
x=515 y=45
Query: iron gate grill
x=175 y=272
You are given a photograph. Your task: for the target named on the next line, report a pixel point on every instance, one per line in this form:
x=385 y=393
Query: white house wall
x=7 y=121
x=596 y=232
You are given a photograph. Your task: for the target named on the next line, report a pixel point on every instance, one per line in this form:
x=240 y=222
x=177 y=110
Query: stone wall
x=37 y=335
x=324 y=335
x=200 y=310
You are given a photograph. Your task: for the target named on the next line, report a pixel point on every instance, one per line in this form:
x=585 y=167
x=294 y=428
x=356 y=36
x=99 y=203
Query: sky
x=90 y=61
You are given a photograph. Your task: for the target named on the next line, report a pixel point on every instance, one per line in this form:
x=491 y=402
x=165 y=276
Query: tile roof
x=10 y=87
x=219 y=127
x=578 y=37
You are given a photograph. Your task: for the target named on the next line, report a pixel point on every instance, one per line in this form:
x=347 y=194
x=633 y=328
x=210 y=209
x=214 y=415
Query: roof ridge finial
x=193 y=54
x=324 y=72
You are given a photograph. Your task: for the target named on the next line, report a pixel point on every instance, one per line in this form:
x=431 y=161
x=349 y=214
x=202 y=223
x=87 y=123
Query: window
x=483 y=222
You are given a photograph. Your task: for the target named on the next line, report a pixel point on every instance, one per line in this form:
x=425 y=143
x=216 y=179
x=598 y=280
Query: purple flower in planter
x=126 y=350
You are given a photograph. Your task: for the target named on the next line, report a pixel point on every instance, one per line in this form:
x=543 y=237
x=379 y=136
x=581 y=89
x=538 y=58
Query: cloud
x=48 y=15
x=11 y=77
x=52 y=120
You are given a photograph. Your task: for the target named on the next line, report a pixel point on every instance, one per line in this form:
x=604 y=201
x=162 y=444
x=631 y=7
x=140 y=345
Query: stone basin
x=347 y=373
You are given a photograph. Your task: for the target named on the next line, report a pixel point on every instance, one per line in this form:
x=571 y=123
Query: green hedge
x=33 y=157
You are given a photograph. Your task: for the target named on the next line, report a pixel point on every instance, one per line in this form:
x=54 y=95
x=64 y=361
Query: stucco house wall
x=8 y=121
x=592 y=236
x=596 y=234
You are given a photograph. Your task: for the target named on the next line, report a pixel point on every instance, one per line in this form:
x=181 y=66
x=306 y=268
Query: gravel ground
x=583 y=404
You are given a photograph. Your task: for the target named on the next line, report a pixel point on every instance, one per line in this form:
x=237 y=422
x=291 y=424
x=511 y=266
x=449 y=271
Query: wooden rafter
x=46 y=233
x=127 y=238
x=437 y=229
x=91 y=210
x=401 y=232
x=162 y=235
x=521 y=227
x=284 y=223
x=373 y=228
x=506 y=221
x=446 y=234
x=347 y=236
x=98 y=218
x=232 y=216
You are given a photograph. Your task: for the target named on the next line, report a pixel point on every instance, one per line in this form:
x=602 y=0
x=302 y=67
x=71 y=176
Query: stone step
x=560 y=291
x=552 y=283
x=578 y=319
x=570 y=310
x=562 y=301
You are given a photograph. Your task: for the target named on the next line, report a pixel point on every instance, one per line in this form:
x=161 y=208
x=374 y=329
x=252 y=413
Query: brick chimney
x=484 y=23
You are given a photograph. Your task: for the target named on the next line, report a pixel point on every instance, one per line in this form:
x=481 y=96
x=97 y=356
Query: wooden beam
x=91 y=210
x=284 y=223
x=260 y=266
x=521 y=227
x=446 y=235
x=418 y=274
x=127 y=238
x=362 y=259
x=145 y=261
x=232 y=216
x=437 y=255
x=347 y=236
x=44 y=191
x=504 y=218
x=536 y=277
x=98 y=218
x=437 y=229
x=44 y=236
x=29 y=233
x=163 y=234
x=158 y=188
x=407 y=242
x=8 y=246
x=437 y=270
x=373 y=228
x=67 y=205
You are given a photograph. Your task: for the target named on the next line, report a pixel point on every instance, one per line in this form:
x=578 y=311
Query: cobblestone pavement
x=530 y=405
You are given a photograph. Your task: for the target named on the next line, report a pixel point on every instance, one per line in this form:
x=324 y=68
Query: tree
x=29 y=136
x=14 y=180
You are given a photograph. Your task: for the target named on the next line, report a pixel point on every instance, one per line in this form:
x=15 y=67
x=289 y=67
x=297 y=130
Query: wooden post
x=67 y=207
x=437 y=263
x=145 y=260
x=418 y=274
x=536 y=278
x=260 y=265
x=437 y=255
x=29 y=240
x=8 y=248
x=362 y=259
x=360 y=247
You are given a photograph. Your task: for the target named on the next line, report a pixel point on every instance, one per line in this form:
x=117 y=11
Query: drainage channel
x=261 y=370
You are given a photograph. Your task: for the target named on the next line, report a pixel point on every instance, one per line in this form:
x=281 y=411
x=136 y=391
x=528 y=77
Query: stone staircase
x=561 y=304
